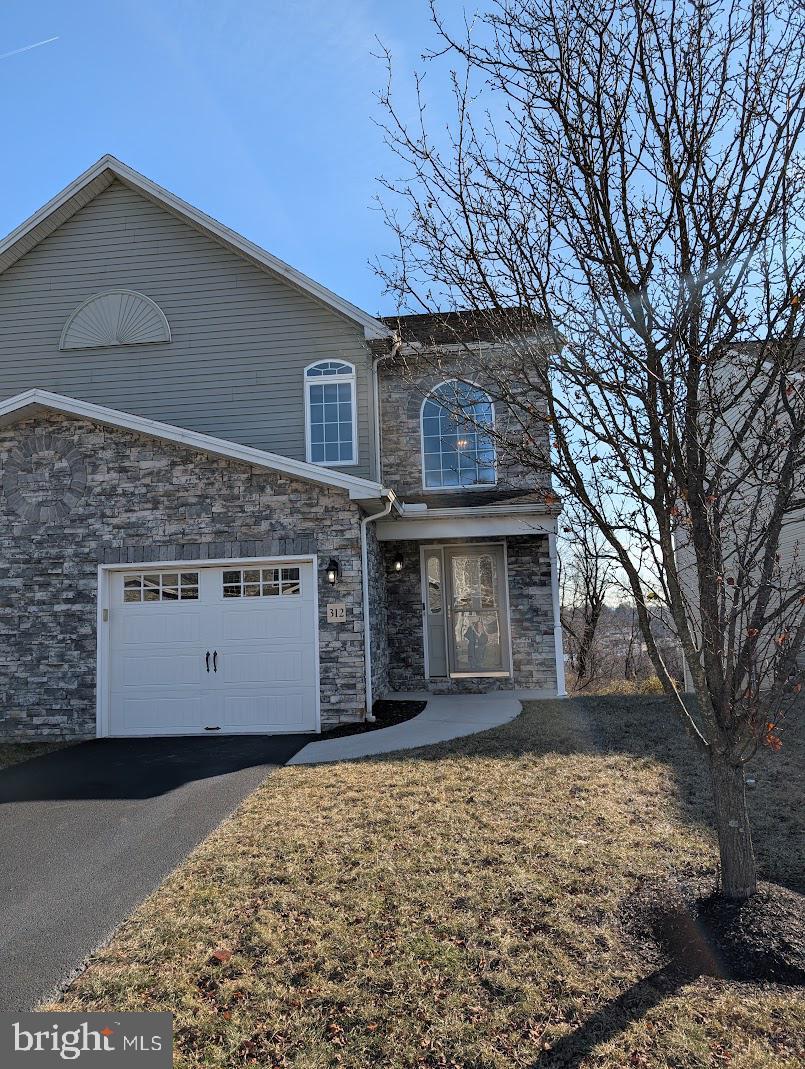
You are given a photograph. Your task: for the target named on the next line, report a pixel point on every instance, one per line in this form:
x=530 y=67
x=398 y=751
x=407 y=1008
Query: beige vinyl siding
x=240 y=338
x=791 y=551
x=791 y=546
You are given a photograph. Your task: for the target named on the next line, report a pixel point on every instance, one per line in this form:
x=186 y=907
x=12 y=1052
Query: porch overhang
x=418 y=522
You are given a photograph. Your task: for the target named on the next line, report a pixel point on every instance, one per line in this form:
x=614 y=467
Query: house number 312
x=336 y=612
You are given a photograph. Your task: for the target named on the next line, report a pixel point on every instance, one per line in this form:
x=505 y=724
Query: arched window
x=455 y=450
x=330 y=413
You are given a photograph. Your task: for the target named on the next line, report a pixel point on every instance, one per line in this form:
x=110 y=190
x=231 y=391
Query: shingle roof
x=501 y=495
x=768 y=349
x=471 y=325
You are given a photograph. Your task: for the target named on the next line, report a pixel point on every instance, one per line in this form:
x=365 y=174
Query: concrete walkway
x=446 y=716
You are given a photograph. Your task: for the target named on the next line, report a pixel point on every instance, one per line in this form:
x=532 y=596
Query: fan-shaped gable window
x=115 y=317
x=330 y=413
x=456 y=451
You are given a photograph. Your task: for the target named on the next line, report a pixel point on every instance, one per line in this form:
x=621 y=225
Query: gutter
x=367 y=624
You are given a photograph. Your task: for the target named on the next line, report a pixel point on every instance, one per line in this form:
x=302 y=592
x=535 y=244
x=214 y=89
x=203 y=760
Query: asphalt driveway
x=86 y=833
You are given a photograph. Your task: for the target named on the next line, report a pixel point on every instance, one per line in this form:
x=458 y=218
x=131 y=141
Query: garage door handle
x=208 y=660
x=215 y=661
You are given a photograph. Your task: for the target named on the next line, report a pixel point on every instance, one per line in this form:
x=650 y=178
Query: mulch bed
x=387 y=712
x=694 y=931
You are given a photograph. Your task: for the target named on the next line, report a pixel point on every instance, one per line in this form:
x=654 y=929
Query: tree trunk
x=582 y=655
x=738 y=873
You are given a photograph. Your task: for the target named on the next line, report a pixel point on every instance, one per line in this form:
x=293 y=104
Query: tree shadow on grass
x=648 y=728
x=613 y=1018
x=672 y=929
x=696 y=937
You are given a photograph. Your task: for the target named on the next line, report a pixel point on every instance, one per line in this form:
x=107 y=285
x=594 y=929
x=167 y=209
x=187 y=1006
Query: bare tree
x=625 y=180
x=586 y=577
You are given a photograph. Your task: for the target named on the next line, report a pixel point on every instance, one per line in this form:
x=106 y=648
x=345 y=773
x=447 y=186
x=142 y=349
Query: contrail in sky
x=28 y=48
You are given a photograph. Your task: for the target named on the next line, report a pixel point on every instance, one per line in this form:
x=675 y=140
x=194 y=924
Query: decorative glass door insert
x=434 y=609
x=471 y=638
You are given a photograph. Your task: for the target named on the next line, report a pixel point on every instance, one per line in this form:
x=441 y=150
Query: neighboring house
x=749 y=497
x=215 y=483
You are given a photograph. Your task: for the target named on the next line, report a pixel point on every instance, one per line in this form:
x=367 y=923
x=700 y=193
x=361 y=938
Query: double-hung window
x=330 y=413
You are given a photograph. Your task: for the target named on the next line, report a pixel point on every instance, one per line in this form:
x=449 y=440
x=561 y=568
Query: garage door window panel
x=263 y=582
x=159 y=587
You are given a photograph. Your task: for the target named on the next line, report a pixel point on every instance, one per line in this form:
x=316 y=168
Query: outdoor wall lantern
x=333 y=571
x=398 y=564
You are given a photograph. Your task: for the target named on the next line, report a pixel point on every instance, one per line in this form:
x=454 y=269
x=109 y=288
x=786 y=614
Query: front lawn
x=460 y=906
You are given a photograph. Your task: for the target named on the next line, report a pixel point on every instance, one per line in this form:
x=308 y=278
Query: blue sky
x=258 y=112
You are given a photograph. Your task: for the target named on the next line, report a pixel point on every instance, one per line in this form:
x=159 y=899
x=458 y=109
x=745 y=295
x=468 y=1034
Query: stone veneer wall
x=530 y=611
x=403 y=385
x=76 y=494
x=377 y=614
x=404 y=616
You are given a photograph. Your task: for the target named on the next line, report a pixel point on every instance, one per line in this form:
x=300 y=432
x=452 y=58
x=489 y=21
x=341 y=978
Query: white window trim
x=467 y=486
x=351 y=379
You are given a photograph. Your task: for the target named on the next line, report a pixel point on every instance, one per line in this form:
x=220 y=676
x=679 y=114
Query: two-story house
x=226 y=507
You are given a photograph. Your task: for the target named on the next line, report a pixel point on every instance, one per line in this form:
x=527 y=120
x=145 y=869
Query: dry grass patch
x=456 y=906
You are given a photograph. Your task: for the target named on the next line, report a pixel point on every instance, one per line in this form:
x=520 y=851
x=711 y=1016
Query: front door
x=466 y=611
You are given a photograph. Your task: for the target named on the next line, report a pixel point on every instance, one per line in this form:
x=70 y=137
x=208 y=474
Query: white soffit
x=466 y=524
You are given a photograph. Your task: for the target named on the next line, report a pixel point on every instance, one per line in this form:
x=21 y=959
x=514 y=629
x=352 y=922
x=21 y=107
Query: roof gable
x=26 y=404
x=108 y=169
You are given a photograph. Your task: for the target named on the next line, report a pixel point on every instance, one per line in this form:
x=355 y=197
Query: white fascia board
x=465 y=524
x=423 y=511
x=15 y=408
x=372 y=327
x=53 y=205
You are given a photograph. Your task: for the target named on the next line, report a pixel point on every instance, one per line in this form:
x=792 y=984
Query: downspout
x=367 y=624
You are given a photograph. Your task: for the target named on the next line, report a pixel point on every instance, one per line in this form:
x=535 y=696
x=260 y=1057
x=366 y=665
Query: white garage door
x=213 y=650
